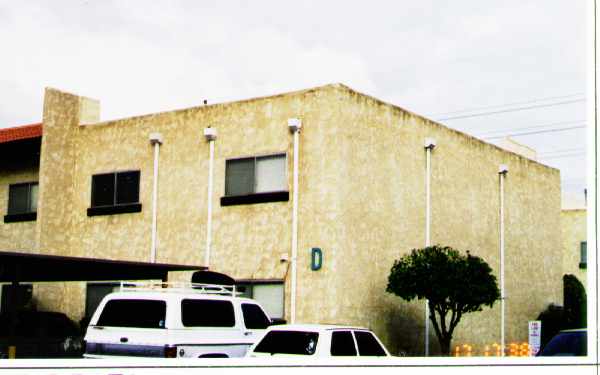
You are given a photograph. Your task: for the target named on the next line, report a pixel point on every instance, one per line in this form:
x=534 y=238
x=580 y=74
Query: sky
x=488 y=68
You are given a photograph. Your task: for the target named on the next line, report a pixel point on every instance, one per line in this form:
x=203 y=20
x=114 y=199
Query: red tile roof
x=20 y=132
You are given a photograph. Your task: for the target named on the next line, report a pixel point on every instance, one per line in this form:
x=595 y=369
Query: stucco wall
x=374 y=211
x=361 y=199
x=574 y=231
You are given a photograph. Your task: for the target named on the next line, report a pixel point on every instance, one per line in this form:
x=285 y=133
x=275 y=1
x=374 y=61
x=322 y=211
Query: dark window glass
x=111 y=189
x=128 y=186
x=342 y=344
x=133 y=313
x=207 y=313
x=288 y=342
x=583 y=251
x=367 y=344
x=22 y=198
x=103 y=190
x=254 y=317
x=239 y=178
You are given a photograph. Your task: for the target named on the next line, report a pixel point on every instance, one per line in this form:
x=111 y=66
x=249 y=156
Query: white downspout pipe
x=155 y=140
x=429 y=145
x=503 y=170
x=210 y=134
x=294 y=125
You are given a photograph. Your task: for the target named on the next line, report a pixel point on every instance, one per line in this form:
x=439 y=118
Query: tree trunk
x=445 y=344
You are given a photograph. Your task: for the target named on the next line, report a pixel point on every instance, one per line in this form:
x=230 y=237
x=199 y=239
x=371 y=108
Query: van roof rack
x=178 y=286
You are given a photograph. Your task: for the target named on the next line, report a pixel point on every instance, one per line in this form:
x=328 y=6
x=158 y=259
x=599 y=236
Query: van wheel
x=214 y=355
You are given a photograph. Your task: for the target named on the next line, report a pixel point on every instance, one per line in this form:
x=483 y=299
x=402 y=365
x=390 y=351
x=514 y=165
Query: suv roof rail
x=178 y=286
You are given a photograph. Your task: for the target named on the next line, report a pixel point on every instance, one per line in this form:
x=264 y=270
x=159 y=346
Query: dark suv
x=571 y=342
x=40 y=334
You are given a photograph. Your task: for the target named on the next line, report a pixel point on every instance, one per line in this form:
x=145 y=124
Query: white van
x=199 y=321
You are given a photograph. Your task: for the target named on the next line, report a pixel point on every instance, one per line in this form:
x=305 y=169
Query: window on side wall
x=583 y=254
x=258 y=179
x=22 y=202
x=115 y=193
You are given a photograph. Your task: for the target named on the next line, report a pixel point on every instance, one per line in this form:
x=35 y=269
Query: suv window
x=133 y=313
x=254 y=317
x=342 y=344
x=367 y=344
x=207 y=313
x=288 y=342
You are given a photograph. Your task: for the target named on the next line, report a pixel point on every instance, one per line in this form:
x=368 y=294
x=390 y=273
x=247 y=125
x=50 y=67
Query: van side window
x=342 y=344
x=133 y=313
x=367 y=344
x=254 y=317
x=207 y=313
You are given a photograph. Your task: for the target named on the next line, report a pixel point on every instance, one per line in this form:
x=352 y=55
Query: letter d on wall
x=316 y=259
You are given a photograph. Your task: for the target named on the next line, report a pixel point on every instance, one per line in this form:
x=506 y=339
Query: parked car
x=197 y=322
x=40 y=334
x=571 y=342
x=318 y=340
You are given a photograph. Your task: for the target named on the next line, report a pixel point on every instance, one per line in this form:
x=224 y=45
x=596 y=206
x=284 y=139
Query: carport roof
x=26 y=267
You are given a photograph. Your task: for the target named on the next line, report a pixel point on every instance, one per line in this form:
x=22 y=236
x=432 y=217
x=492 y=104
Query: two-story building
x=308 y=214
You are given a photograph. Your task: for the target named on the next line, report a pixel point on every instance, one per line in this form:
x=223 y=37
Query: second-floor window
x=258 y=179
x=255 y=175
x=22 y=198
x=22 y=202
x=113 y=193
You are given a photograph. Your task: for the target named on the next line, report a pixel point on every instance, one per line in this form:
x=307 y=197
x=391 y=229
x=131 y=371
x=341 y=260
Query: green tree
x=454 y=284
x=575 y=303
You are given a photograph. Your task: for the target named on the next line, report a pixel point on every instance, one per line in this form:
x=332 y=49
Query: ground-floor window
x=269 y=294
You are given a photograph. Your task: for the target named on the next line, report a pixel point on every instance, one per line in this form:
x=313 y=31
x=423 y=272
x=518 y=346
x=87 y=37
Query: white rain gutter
x=155 y=140
x=503 y=170
x=210 y=134
x=294 y=125
x=429 y=145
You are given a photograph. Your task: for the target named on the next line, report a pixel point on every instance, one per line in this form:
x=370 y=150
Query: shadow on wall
x=406 y=329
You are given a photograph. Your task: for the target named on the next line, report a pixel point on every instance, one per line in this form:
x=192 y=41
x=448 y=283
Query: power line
x=561 y=151
x=490 y=133
x=511 y=110
x=537 y=132
x=508 y=104
x=564 y=156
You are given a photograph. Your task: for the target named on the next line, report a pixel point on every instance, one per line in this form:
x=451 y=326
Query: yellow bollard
x=486 y=351
x=457 y=351
x=12 y=352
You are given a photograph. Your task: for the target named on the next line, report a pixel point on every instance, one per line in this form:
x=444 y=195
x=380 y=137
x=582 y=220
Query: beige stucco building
x=361 y=201
x=574 y=227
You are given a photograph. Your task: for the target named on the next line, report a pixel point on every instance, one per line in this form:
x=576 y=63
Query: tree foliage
x=575 y=302
x=454 y=284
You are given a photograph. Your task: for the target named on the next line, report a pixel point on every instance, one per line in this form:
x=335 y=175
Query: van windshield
x=133 y=313
x=288 y=342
